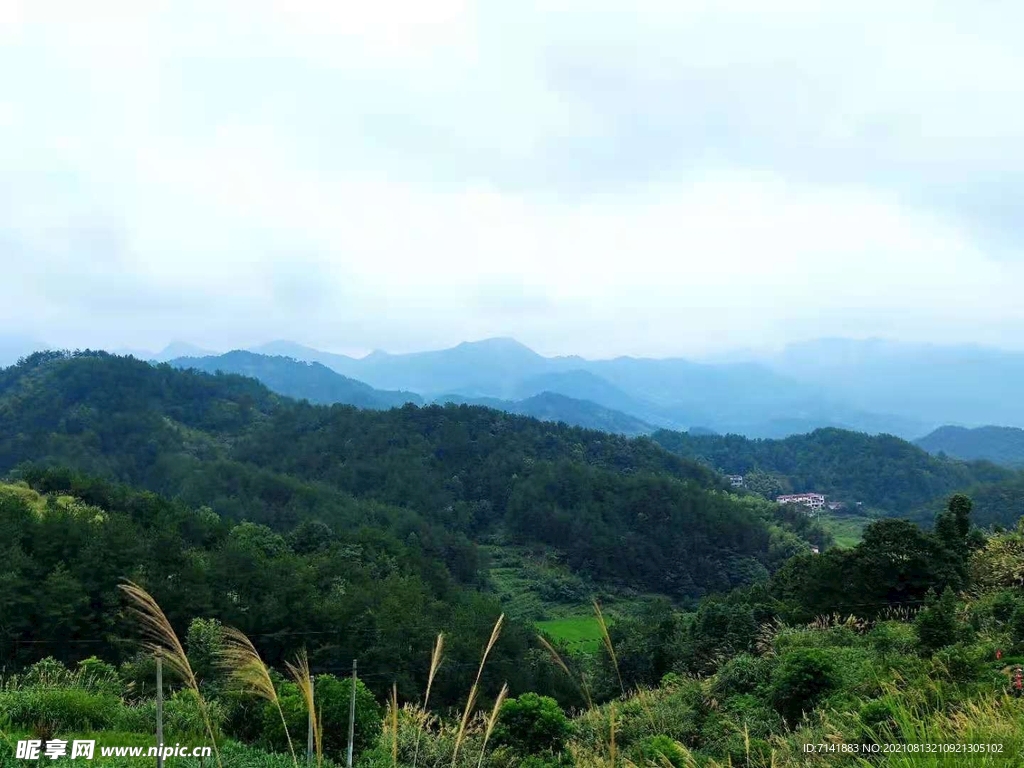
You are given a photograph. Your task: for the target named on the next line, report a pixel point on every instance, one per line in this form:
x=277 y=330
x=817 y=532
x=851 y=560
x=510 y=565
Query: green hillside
x=623 y=511
x=1000 y=445
x=880 y=471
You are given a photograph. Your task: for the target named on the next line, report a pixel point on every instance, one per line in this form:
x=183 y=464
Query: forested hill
x=1001 y=445
x=551 y=406
x=302 y=380
x=619 y=510
x=882 y=471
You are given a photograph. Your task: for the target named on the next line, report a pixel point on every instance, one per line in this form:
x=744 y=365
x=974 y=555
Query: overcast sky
x=596 y=178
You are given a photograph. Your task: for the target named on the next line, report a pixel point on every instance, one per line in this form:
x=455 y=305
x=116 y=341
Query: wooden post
x=351 y=716
x=309 y=734
x=160 y=712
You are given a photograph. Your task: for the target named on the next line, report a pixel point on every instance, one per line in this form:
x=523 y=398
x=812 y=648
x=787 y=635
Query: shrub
x=60 y=710
x=661 y=750
x=803 y=678
x=936 y=625
x=751 y=713
x=99 y=676
x=892 y=638
x=332 y=701
x=47 y=673
x=961 y=663
x=184 y=715
x=877 y=718
x=744 y=674
x=1017 y=626
x=530 y=724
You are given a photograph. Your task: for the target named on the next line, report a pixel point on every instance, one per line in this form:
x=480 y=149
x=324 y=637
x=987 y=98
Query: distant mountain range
x=872 y=386
x=745 y=398
x=320 y=385
x=1001 y=445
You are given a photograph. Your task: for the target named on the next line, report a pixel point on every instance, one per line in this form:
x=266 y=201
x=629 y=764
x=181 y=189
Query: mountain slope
x=552 y=406
x=882 y=471
x=1001 y=445
x=303 y=381
x=620 y=511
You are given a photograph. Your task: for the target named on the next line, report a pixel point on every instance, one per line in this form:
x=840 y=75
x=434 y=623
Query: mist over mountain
x=968 y=385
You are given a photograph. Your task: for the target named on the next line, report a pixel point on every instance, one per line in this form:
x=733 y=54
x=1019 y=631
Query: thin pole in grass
x=471 y=699
x=301 y=675
x=394 y=725
x=351 y=716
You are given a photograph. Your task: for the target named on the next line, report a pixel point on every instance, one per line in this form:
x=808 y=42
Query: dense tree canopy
x=882 y=471
x=619 y=509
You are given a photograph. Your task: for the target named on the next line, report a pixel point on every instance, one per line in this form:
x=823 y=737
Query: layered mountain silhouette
x=872 y=386
x=747 y=398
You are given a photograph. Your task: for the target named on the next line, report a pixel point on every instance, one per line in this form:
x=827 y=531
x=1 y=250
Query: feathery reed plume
x=471 y=699
x=608 y=644
x=302 y=677
x=435 y=664
x=242 y=661
x=394 y=725
x=491 y=721
x=163 y=641
x=555 y=657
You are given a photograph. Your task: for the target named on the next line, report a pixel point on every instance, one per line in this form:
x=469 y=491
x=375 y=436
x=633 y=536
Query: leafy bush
x=744 y=674
x=332 y=701
x=753 y=714
x=184 y=715
x=99 y=676
x=530 y=724
x=60 y=710
x=661 y=750
x=803 y=678
x=937 y=624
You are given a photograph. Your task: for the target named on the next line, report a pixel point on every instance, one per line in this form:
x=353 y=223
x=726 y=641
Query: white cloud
x=658 y=178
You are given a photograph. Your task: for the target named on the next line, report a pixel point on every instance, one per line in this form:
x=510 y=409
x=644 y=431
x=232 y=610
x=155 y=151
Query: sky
x=644 y=177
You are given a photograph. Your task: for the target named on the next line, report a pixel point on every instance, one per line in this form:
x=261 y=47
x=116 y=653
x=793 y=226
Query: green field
x=847 y=530
x=581 y=633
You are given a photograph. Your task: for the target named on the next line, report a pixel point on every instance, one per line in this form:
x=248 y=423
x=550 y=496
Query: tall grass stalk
x=555 y=657
x=302 y=677
x=435 y=663
x=248 y=671
x=471 y=699
x=491 y=721
x=163 y=641
x=607 y=638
